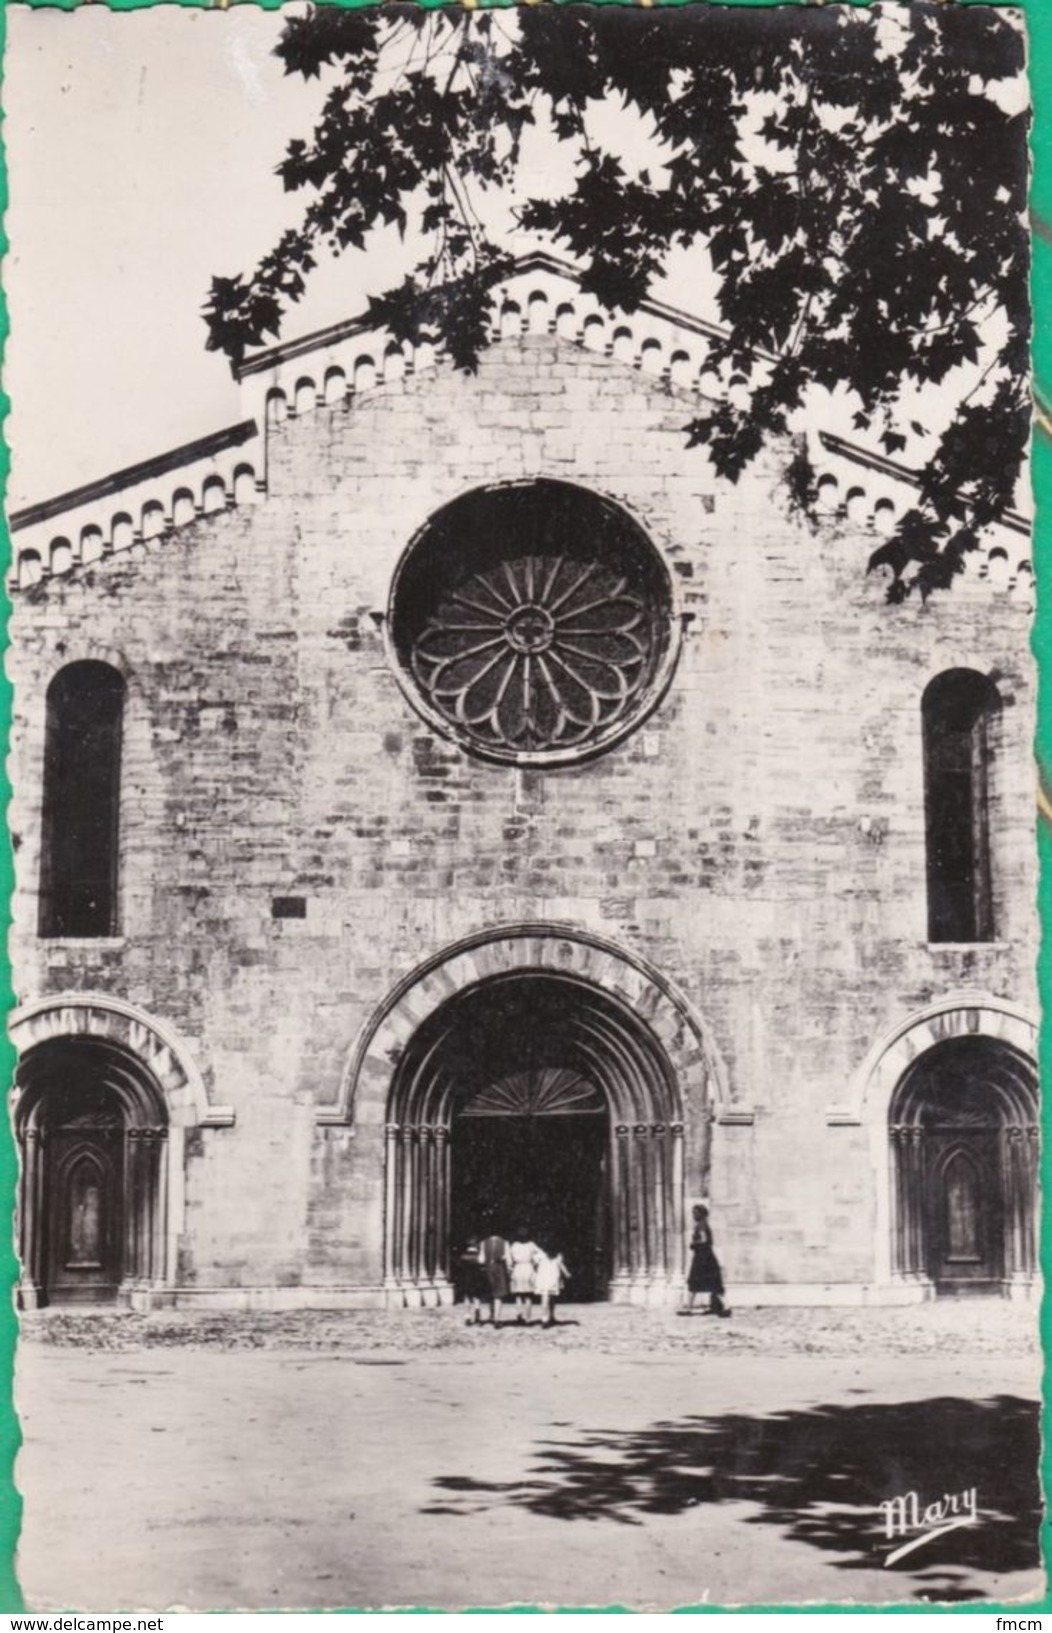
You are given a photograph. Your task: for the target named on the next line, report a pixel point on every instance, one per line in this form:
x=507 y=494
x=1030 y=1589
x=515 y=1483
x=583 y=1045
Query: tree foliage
x=856 y=178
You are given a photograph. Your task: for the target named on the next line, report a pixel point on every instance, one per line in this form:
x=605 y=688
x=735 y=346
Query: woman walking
x=705 y=1275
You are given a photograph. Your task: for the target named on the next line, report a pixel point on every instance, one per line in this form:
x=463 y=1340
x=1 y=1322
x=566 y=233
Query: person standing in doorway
x=471 y=1275
x=495 y=1259
x=524 y=1254
x=550 y=1277
x=705 y=1275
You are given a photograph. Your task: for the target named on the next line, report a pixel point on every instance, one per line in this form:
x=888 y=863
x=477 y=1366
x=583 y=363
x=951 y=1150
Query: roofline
x=536 y=261
x=903 y=473
x=203 y=448
x=234 y=435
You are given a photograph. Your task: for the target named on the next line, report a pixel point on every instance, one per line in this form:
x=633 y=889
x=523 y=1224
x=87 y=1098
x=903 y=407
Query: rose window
x=533 y=621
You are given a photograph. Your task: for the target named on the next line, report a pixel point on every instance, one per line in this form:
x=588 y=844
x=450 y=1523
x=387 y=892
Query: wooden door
x=967 y=1212
x=85 y=1182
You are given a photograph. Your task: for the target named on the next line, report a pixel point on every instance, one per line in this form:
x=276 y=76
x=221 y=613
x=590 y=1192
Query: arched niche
x=102 y=1097
x=885 y=1096
x=963 y=1129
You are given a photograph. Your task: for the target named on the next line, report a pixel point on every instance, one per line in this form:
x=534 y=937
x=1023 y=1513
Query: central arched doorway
x=93 y=1128
x=964 y=1137
x=536 y=1100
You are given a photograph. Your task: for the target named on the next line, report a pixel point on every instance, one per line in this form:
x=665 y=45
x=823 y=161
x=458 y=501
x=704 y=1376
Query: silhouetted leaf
x=868 y=258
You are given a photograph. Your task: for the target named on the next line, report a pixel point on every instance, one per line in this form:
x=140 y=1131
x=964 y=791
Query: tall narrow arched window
x=959 y=708
x=82 y=769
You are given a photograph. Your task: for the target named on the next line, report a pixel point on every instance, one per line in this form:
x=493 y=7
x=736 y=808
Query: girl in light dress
x=523 y=1258
x=549 y=1279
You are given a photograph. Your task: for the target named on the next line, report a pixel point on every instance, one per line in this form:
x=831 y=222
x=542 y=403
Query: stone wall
x=760 y=839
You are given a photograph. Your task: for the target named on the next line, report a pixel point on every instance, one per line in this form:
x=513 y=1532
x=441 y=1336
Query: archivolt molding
x=549 y=948
x=150 y=1041
x=962 y=1014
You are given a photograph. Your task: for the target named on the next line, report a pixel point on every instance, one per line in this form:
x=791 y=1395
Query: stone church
x=441 y=803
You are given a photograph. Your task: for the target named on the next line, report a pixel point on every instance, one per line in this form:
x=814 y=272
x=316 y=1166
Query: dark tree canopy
x=857 y=179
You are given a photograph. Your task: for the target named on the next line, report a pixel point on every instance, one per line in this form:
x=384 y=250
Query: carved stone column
x=131 y=1224
x=659 y=1135
x=641 y=1178
x=163 y=1159
x=428 y=1216
x=411 y=1268
x=662 y=1197
x=392 y=1204
x=897 y=1177
x=442 y=1150
x=910 y=1222
x=1033 y=1160
x=1019 y=1148
x=143 y=1227
x=622 y=1204
x=31 y=1221
x=677 y=1264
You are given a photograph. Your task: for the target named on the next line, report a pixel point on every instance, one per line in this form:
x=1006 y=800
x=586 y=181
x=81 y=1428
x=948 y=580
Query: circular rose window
x=532 y=621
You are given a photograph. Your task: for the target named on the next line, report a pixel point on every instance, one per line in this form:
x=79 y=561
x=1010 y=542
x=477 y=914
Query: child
x=550 y=1277
x=522 y=1256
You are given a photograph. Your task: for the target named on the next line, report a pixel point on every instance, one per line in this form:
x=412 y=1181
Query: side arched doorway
x=964 y=1142
x=92 y=1125
x=537 y=1100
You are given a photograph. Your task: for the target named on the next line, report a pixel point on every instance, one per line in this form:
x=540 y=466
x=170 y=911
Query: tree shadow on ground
x=818 y=1474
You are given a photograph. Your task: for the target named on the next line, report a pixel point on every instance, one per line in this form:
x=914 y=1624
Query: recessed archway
x=963 y=1124
x=872 y=1099
x=536 y=1101
x=645 y=1061
x=93 y=1127
x=103 y=1094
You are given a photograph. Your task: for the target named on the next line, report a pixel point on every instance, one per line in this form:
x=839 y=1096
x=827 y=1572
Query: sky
x=141 y=149
x=141 y=152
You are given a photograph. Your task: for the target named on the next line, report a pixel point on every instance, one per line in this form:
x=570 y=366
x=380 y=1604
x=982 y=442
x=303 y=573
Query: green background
x=1038 y=14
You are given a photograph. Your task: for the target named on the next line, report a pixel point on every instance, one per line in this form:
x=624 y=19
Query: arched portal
x=964 y=1132
x=93 y=1126
x=536 y=1099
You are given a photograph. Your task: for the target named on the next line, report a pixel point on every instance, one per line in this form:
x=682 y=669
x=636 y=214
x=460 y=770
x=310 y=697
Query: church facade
x=442 y=804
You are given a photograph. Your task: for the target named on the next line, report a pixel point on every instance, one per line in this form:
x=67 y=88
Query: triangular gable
x=133 y=509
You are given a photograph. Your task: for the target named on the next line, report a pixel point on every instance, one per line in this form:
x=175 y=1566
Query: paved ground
x=630 y=1457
